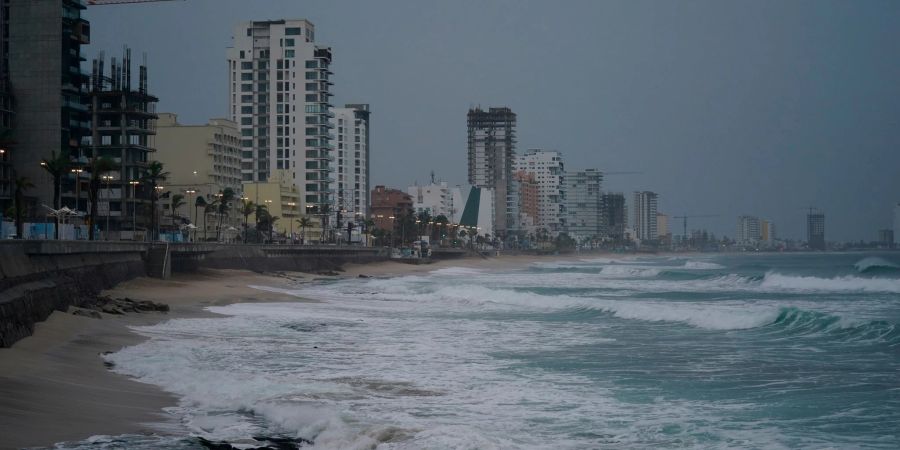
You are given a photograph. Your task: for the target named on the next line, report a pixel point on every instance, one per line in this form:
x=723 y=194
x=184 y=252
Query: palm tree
x=197 y=204
x=368 y=226
x=177 y=202
x=224 y=205
x=247 y=208
x=22 y=184
x=262 y=214
x=304 y=222
x=272 y=220
x=57 y=166
x=209 y=208
x=153 y=175
x=98 y=166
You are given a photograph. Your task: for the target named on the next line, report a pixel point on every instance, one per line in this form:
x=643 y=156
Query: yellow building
x=282 y=199
x=202 y=161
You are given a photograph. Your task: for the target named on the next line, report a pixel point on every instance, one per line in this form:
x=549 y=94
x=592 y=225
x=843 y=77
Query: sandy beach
x=54 y=386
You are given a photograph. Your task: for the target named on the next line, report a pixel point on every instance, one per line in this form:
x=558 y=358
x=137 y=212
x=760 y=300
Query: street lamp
x=292 y=204
x=133 y=184
x=190 y=193
x=77 y=173
x=106 y=178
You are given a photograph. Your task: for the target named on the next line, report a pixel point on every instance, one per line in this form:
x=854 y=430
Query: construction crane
x=685 y=217
x=121 y=2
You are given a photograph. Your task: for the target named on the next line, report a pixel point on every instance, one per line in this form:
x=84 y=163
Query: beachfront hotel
x=279 y=93
x=351 y=174
x=645 y=220
x=549 y=173
x=584 y=204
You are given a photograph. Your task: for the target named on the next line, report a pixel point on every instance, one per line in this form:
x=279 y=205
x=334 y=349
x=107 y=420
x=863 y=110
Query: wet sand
x=54 y=386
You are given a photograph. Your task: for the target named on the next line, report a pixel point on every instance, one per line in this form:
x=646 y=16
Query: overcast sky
x=727 y=107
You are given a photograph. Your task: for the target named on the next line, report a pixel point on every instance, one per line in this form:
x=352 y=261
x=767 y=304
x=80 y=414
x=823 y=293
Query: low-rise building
x=389 y=206
x=281 y=198
x=432 y=198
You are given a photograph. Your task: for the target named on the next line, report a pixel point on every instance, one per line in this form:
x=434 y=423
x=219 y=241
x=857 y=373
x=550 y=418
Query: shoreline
x=55 y=386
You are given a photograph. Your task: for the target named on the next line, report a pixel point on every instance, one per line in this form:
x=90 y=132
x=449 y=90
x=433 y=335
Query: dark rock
x=364 y=276
x=87 y=313
x=110 y=309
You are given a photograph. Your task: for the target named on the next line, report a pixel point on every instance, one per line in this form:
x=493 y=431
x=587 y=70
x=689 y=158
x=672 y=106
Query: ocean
x=757 y=351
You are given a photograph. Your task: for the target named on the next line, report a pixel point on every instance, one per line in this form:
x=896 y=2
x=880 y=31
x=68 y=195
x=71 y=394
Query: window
x=293 y=31
x=312 y=64
x=288 y=42
x=311 y=75
x=311 y=97
x=246 y=65
x=247 y=76
x=288 y=53
x=246 y=87
x=249 y=31
x=246 y=121
x=246 y=110
x=246 y=99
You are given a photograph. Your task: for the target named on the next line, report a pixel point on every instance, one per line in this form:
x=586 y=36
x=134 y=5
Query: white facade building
x=749 y=230
x=279 y=91
x=473 y=208
x=549 y=174
x=434 y=198
x=645 y=216
x=351 y=175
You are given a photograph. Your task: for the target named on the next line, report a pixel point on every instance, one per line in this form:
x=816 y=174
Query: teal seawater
x=732 y=351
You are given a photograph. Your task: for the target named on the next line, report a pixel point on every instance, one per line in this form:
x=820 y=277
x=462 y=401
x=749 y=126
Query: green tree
x=368 y=227
x=223 y=207
x=97 y=168
x=304 y=223
x=21 y=184
x=57 y=166
x=152 y=176
x=247 y=208
x=177 y=202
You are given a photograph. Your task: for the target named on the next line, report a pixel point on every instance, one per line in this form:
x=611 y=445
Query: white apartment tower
x=749 y=230
x=645 y=216
x=549 y=174
x=279 y=93
x=351 y=175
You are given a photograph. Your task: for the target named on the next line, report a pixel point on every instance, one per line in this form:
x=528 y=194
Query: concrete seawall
x=38 y=277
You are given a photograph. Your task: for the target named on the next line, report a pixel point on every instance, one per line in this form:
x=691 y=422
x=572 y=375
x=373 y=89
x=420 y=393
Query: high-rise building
x=886 y=238
x=123 y=117
x=767 y=232
x=549 y=173
x=584 y=204
x=662 y=224
x=614 y=216
x=47 y=87
x=202 y=160
x=279 y=92
x=815 y=230
x=492 y=151
x=527 y=190
x=645 y=210
x=749 y=230
x=351 y=175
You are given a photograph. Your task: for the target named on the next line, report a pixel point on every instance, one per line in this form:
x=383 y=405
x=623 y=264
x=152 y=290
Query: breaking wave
x=777 y=281
x=874 y=265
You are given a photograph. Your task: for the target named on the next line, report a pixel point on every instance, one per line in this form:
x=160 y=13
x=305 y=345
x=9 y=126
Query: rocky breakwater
x=39 y=277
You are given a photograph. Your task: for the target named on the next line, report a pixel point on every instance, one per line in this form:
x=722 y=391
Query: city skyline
x=726 y=127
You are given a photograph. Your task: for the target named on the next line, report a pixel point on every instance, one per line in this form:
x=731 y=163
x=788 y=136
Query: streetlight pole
x=133 y=184
x=106 y=178
x=291 y=219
